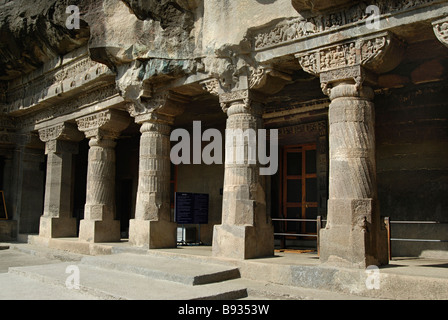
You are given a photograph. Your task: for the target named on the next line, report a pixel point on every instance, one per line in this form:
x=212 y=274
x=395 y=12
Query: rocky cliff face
x=32 y=32
x=149 y=39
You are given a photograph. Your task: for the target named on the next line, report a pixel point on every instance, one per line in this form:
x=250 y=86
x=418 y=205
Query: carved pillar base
x=152 y=234
x=55 y=227
x=99 y=230
x=243 y=242
x=354 y=235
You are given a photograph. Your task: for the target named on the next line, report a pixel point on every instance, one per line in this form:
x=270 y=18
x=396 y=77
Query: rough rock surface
x=32 y=32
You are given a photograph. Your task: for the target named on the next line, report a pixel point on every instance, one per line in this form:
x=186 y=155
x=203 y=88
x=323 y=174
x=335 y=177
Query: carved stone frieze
x=314 y=127
x=300 y=28
x=358 y=52
x=43 y=86
x=69 y=106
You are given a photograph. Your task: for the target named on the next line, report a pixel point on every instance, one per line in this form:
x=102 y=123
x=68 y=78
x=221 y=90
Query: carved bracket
x=163 y=106
x=104 y=125
x=441 y=30
x=212 y=86
x=63 y=131
x=267 y=79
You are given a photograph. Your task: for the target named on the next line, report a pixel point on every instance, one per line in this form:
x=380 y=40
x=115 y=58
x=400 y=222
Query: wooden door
x=299 y=196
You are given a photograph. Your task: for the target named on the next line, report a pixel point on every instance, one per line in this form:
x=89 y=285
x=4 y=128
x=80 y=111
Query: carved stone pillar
x=246 y=230
x=153 y=226
x=61 y=143
x=102 y=128
x=354 y=235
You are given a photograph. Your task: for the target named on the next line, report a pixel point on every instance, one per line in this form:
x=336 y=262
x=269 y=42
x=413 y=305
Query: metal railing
x=389 y=222
x=318 y=222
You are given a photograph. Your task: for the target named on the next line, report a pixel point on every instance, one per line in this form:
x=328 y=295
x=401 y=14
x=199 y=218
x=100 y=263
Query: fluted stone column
x=99 y=224
x=61 y=143
x=152 y=226
x=246 y=230
x=354 y=235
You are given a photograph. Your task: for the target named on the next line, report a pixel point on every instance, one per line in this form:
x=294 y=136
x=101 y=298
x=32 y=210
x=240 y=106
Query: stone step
x=106 y=283
x=164 y=268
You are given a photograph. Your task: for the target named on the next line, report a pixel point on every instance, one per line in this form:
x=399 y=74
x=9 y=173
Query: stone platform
x=121 y=271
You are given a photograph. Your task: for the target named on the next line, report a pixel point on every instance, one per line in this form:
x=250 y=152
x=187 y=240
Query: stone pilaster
x=246 y=230
x=152 y=226
x=61 y=143
x=102 y=128
x=354 y=235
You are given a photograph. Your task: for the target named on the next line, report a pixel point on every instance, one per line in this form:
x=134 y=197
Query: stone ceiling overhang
x=292 y=36
x=317 y=5
x=68 y=84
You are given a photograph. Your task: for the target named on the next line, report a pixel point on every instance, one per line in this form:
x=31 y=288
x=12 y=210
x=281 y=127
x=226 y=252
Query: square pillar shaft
x=57 y=220
x=61 y=143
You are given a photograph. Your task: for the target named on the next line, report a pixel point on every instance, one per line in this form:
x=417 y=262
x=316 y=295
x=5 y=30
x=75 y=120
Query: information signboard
x=191 y=208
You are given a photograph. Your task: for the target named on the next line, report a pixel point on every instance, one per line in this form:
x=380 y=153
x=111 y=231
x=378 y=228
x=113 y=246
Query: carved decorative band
x=319 y=128
x=343 y=55
x=293 y=30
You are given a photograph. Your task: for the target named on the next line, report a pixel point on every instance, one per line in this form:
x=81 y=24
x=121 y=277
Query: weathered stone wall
x=207 y=179
x=412 y=164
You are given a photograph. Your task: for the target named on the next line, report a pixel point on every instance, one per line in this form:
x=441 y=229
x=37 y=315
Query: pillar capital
x=162 y=106
x=62 y=131
x=242 y=101
x=106 y=124
x=61 y=138
x=356 y=61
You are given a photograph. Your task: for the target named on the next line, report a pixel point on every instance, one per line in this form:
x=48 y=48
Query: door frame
x=303 y=176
